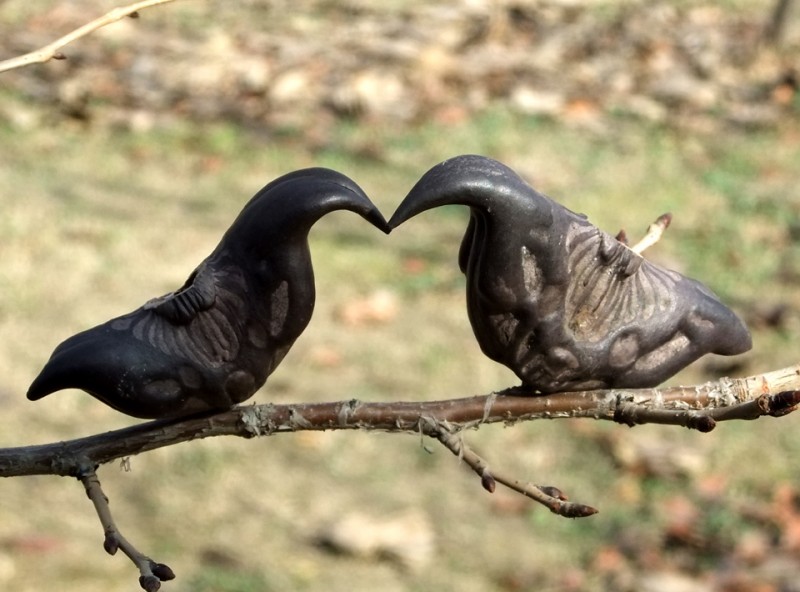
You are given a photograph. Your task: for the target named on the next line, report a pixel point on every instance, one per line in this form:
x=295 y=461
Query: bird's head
x=501 y=203
x=488 y=187
x=285 y=210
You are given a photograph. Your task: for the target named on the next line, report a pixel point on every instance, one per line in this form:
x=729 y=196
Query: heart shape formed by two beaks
x=564 y=305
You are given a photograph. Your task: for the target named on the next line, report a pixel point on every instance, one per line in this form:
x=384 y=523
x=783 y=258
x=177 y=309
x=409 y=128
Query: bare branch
x=52 y=50
x=653 y=234
x=699 y=407
x=550 y=497
x=151 y=573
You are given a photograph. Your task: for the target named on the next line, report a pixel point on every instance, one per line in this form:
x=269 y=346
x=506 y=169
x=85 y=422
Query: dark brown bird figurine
x=214 y=342
x=563 y=304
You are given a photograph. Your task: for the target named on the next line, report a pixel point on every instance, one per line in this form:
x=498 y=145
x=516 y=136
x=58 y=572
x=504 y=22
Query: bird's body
x=213 y=343
x=564 y=305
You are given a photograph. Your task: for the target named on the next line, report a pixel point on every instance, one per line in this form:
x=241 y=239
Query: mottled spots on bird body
x=624 y=350
x=256 y=335
x=498 y=290
x=581 y=322
x=122 y=323
x=663 y=353
x=506 y=326
x=698 y=322
x=240 y=385
x=165 y=388
x=139 y=329
x=531 y=275
x=190 y=377
x=279 y=301
x=561 y=357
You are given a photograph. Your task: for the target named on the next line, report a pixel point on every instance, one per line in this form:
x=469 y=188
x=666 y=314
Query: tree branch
x=699 y=407
x=548 y=496
x=151 y=573
x=51 y=51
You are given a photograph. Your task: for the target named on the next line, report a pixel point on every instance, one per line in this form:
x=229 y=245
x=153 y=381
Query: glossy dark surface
x=213 y=343
x=561 y=303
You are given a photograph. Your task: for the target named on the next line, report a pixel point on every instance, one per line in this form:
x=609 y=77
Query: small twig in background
x=52 y=50
x=774 y=28
x=151 y=573
x=653 y=234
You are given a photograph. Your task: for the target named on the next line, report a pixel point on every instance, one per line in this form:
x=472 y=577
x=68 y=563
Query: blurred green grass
x=96 y=221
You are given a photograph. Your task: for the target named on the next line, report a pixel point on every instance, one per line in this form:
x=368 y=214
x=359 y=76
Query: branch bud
x=111 y=543
x=553 y=492
x=575 y=510
x=488 y=482
x=783 y=403
x=162 y=571
x=664 y=220
x=701 y=423
x=149 y=583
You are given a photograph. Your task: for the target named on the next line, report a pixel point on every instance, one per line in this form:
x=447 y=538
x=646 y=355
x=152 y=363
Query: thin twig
x=773 y=31
x=550 y=497
x=653 y=234
x=52 y=50
x=151 y=574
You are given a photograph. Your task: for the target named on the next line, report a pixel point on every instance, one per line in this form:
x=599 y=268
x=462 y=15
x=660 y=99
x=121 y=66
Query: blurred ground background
x=122 y=166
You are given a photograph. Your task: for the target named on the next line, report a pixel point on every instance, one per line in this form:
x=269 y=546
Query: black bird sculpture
x=563 y=304
x=213 y=343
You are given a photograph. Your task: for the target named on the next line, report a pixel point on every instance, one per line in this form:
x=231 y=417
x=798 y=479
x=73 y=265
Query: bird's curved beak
x=375 y=217
x=469 y=180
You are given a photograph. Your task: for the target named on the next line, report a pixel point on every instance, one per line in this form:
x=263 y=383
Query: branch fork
x=151 y=572
x=552 y=498
x=699 y=407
